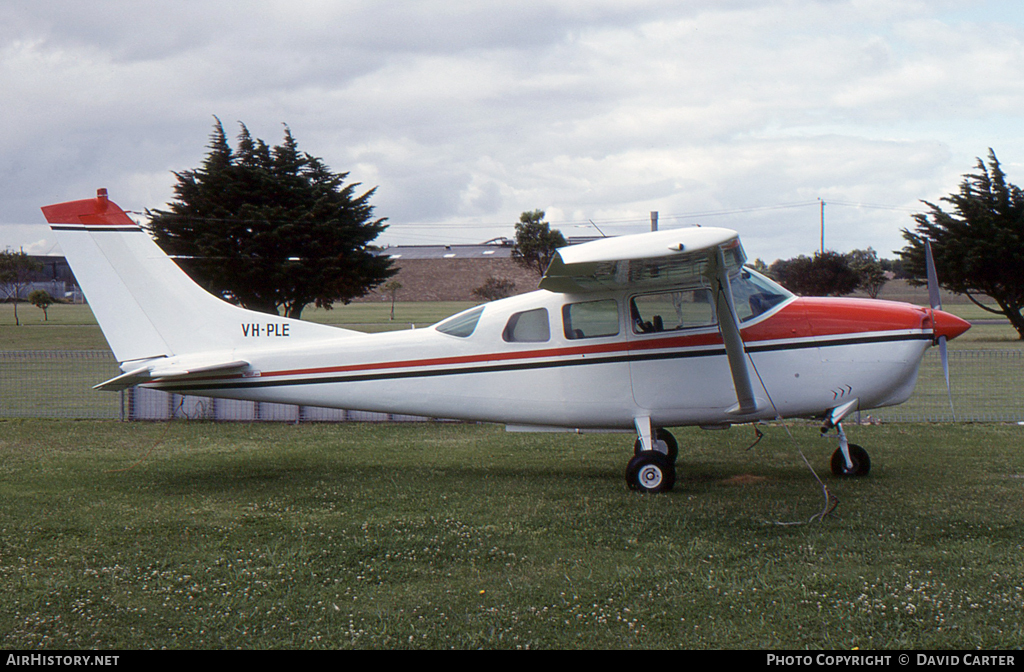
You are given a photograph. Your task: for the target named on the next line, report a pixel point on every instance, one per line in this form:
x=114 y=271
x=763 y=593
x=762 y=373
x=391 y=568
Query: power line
x=739 y=211
x=874 y=206
x=434 y=230
x=614 y=222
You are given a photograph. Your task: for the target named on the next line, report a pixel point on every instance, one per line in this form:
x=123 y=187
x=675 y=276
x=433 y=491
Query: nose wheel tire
x=650 y=471
x=860 y=459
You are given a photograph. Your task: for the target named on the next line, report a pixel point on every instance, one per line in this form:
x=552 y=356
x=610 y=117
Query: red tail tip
x=101 y=194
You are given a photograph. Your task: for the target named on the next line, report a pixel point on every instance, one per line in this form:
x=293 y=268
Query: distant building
x=427 y=272
x=54 y=277
x=452 y=272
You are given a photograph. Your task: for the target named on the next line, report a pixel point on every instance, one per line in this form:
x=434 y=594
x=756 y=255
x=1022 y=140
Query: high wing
x=673 y=258
x=681 y=258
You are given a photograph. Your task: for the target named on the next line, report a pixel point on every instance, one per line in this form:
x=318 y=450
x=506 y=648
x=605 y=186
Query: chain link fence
x=985 y=386
x=58 y=384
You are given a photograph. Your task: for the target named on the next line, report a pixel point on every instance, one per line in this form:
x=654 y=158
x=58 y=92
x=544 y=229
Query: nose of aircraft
x=948 y=325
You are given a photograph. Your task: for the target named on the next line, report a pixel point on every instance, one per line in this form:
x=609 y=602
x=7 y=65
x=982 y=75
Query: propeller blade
x=936 y=302
x=933 y=280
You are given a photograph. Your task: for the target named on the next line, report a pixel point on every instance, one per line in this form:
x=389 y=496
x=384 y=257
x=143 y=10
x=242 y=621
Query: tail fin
x=145 y=304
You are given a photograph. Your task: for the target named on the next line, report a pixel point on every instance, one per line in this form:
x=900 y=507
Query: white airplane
x=637 y=332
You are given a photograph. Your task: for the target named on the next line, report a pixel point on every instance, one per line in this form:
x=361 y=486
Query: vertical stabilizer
x=145 y=304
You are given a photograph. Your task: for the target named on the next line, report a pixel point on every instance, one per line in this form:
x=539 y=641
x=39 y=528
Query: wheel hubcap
x=651 y=476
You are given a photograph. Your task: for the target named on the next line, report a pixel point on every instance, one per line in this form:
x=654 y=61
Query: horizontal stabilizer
x=165 y=370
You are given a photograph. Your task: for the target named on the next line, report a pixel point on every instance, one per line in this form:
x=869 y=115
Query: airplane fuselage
x=810 y=355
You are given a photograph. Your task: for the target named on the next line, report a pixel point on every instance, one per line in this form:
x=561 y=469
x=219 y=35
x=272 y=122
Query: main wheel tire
x=860 y=459
x=650 y=471
x=661 y=435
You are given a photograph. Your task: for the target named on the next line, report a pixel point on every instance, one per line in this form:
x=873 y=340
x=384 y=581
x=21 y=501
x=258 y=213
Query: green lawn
x=211 y=535
x=70 y=327
x=202 y=535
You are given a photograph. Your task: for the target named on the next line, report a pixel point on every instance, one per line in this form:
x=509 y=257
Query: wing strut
x=729 y=326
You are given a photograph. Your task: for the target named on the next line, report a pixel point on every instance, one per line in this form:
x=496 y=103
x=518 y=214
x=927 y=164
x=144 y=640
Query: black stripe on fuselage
x=99 y=228
x=526 y=366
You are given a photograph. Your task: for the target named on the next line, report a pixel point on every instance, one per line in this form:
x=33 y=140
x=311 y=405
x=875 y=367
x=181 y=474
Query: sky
x=744 y=114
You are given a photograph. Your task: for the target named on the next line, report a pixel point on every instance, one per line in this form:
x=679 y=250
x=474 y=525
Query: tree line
x=273 y=229
x=977 y=247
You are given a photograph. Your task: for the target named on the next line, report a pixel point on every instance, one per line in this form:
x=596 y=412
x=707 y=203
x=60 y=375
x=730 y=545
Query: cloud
x=464 y=114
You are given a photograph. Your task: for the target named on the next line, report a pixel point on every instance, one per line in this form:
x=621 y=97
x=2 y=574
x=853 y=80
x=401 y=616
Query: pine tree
x=272 y=228
x=978 y=248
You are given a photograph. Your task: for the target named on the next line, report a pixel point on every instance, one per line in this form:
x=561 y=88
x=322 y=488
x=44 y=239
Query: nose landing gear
x=849 y=460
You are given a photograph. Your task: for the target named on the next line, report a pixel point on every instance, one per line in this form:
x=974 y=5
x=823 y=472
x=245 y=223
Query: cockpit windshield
x=753 y=294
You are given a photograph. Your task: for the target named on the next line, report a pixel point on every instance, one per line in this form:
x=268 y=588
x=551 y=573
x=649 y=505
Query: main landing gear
x=652 y=469
x=849 y=460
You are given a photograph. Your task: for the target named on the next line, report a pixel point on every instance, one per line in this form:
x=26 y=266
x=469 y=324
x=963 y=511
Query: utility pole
x=654 y=220
x=822 y=225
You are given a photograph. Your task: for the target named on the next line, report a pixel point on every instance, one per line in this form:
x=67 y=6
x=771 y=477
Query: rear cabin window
x=461 y=325
x=591 y=319
x=672 y=311
x=530 y=326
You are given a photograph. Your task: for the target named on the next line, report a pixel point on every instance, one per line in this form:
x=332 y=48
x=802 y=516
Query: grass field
x=204 y=535
x=200 y=535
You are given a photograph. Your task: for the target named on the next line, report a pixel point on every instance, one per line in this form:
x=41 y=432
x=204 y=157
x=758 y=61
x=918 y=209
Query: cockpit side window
x=672 y=311
x=531 y=326
x=461 y=325
x=590 y=319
